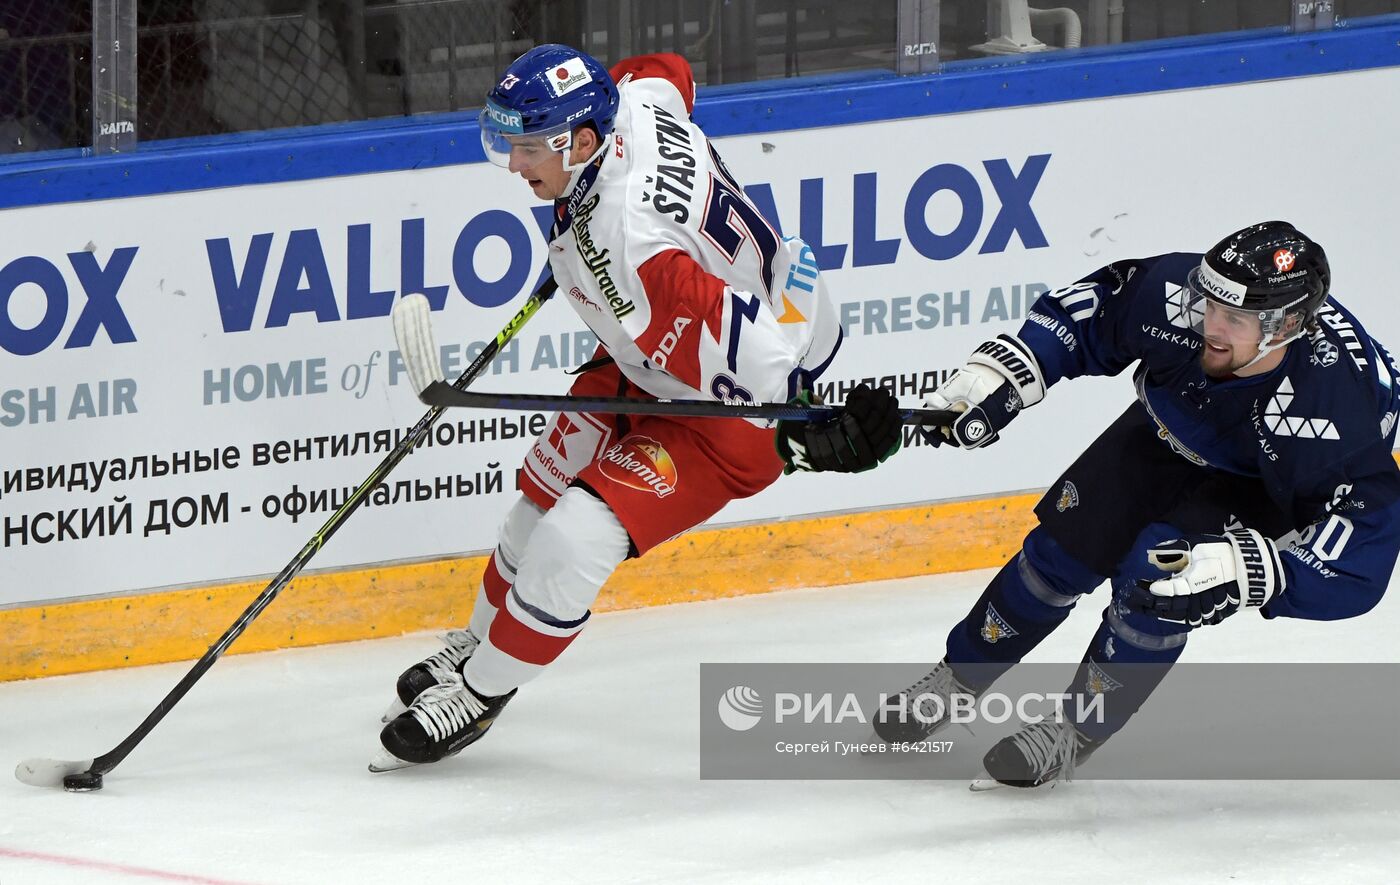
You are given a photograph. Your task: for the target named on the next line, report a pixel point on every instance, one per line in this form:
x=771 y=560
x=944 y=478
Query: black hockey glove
x=1213 y=576
x=1000 y=378
x=866 y=430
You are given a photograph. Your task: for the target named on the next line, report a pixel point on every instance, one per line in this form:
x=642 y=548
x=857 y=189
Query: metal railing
x=204 y=67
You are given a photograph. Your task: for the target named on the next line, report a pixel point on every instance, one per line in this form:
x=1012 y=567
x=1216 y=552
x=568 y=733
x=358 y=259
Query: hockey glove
x=1000 y=378
x=866 y=431
x=1213 y=577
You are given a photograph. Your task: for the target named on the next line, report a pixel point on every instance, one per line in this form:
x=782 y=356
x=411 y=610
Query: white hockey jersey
x=687 y=286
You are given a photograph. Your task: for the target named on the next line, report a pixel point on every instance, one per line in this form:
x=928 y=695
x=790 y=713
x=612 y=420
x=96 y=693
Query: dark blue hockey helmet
x=543 y=97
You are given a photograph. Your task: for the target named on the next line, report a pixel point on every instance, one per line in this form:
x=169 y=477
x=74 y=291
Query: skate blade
x=383 y=761
x=396 y=709
x=986 y=783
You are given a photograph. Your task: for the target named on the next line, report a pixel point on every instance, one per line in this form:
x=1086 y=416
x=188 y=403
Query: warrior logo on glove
x=1213 y=576
x=1000 y=379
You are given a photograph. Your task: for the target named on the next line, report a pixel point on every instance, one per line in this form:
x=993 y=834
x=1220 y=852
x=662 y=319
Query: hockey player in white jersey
x=692 y=294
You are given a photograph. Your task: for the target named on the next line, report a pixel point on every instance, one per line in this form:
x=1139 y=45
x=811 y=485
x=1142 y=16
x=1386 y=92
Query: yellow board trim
x=390 y=600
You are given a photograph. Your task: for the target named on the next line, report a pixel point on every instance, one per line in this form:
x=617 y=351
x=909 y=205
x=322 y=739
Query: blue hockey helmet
x=543 y=96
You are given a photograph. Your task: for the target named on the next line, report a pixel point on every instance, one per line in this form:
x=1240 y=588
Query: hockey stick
x=86 y=775
x=443 y=395
x=413 y=327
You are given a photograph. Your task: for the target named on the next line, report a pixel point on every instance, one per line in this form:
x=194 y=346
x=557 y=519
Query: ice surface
x=591 y=775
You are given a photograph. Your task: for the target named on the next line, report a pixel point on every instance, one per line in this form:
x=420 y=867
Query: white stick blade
x=48 y=772
x=413 y=330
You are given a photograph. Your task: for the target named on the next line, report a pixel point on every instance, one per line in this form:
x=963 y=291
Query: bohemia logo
x=1283 y=260
x=640 y=463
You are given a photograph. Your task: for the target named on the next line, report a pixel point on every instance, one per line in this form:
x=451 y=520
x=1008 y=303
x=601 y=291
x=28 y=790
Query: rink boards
x=194 y=379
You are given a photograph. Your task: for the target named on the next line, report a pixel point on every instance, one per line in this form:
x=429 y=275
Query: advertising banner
x=191 y=383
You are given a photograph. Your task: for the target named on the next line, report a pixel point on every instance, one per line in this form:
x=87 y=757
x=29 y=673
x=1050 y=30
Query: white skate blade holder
x=396 y=709
x=383 y=761
x=985 y=783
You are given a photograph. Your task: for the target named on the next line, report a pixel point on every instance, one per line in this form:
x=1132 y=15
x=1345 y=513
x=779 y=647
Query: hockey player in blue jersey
x=1254 y=471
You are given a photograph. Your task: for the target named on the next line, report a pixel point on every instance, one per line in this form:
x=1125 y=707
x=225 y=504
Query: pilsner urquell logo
x=641 y=463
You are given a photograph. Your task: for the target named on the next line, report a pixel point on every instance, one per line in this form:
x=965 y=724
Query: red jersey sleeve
x=666 y=65
x=686 y=302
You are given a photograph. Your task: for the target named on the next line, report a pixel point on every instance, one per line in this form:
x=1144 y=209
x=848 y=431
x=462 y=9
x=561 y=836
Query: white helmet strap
x=1267 y=345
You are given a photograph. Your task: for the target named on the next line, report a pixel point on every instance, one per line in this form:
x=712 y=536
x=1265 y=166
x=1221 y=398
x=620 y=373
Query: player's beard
x=1219 y=363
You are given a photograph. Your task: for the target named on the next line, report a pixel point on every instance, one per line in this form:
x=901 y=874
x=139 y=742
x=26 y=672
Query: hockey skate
x=433 y=670
x=900 y=721
x=439 y=723
x=1044 y=753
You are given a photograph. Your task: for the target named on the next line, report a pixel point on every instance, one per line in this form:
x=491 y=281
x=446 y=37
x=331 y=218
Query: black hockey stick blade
x=444 y=395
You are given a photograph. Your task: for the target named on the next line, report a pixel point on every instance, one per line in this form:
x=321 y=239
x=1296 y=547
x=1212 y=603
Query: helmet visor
x=1206 y=287
x=504 y=139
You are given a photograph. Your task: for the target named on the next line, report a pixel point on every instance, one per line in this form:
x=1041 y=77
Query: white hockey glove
x=1213 y=577
x=1000 y=378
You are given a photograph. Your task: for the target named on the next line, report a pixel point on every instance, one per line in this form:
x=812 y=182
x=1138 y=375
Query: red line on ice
x=110 y=867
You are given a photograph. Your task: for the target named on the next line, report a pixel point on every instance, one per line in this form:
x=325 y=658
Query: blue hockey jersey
x=1318 y=431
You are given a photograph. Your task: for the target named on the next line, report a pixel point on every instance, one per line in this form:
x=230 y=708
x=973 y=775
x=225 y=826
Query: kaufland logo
x=641 y=463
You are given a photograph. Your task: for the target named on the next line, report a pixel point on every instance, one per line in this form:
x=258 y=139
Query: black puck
x=82 y=782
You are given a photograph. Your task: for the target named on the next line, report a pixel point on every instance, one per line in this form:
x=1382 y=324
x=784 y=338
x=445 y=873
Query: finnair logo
x=1221 y=287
